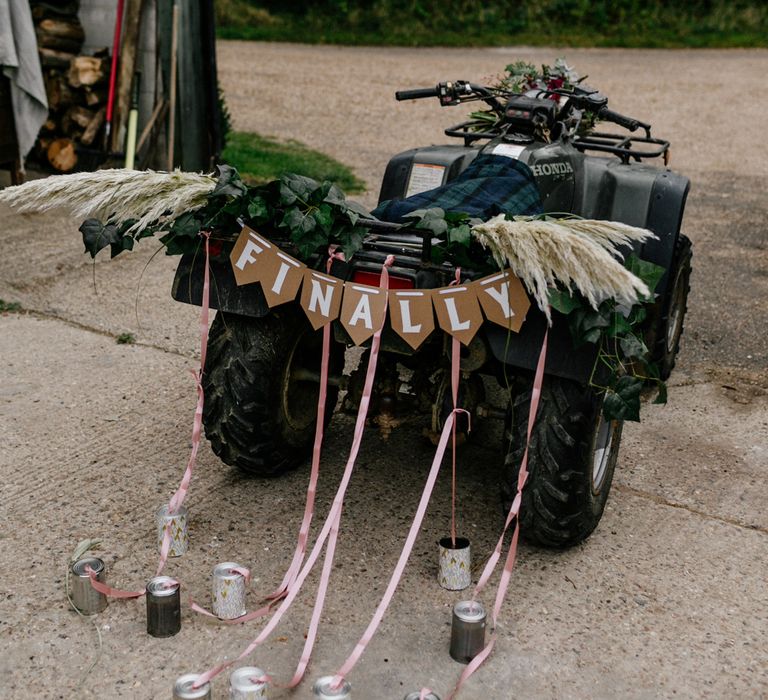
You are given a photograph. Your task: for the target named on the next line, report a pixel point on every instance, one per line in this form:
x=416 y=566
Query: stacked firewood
x=76 y=85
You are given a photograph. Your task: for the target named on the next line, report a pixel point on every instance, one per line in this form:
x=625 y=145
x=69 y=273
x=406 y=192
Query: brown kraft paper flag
x=249 y=248
x=458 y=312
x=411 y=316
x=320 y=298
x=503 y=299
x=363 y=311
x=280 y=278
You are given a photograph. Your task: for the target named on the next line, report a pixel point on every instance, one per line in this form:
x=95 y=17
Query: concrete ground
x=666 y=599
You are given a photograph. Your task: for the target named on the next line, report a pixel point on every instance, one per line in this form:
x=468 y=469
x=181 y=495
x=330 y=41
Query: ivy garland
x=314 y=215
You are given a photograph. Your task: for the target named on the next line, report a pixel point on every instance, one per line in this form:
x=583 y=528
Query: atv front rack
x=625 y=147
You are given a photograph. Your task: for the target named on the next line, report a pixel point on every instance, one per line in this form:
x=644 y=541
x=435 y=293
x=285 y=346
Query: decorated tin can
x=455 y=573
x=245 y=684
x=467 y=631
x=228 y=591
x=84 y=596
x=163 y=606
x=416 y=695
x=324 y=690
x=176 y=524
x=183 y=688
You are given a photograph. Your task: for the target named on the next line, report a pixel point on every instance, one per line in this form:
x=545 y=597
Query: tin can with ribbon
x=229 y=587
x=324 y=690
x=455 y=569
x=248 y=683
x=176 y=524
x=183 y=688
x=84 y=596
x=163 y=606
x=416 y=695
x=467 y=630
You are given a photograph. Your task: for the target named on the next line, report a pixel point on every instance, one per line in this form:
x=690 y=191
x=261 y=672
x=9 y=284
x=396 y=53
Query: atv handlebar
x=417 y=94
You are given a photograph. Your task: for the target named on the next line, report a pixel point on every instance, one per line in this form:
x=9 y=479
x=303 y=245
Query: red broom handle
x=115 y=53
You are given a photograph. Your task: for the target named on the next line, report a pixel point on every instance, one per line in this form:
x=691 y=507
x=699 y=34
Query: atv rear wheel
x=571 y=460
x=260 y=400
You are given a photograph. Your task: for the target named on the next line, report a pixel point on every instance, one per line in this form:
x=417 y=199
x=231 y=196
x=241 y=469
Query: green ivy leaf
x=335 y=196
x=661 y=395
x=97 y=236
x=622 y=402
x=460 y=235
x=296 y=187
x=229 y=183
x=185 y=226
x=323 y=215
x=618 y=326
x=587 y=325
x=299 y=223
x=258 y=210
x=563 y=301
x=353 y=241
x=430 y=219
x=648 y=272
x=633 y=346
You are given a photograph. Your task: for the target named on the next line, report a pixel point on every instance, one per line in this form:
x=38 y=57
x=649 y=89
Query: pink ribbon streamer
x=455 y=362
x=107 y=590
x=331 y=525
x=309 y=507
x=514 y=510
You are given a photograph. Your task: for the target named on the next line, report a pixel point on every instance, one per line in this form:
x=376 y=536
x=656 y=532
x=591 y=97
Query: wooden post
x=128 y=50
x=172 y=92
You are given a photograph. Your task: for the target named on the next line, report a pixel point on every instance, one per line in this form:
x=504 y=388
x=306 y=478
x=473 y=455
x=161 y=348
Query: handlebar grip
x=417 y=94
x=610 y=116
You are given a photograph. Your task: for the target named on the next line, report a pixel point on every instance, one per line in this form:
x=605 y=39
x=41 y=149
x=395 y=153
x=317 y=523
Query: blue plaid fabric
x=489 y=186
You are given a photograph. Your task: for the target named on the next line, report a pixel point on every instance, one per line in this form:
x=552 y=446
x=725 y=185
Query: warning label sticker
x=509 y=150
x=424 y=177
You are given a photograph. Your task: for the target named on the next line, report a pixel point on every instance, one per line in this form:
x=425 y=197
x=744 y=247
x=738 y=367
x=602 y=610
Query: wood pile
x=76 y=85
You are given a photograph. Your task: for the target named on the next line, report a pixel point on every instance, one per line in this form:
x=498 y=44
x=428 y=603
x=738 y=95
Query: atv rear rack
x=625 y=147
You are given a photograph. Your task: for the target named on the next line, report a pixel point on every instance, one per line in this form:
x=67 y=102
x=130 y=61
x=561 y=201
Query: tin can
x=324 y=691
x=183 y=690
x=228 y=591
x=467 y=631
x=455 y=570
x=244 y=684
x=176 y=524
x=84 y=596
x=163 y=606
x=416 y=695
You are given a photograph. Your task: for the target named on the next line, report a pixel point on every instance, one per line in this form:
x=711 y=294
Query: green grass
x=571 y=23
x=9 y=306
x=259 y=159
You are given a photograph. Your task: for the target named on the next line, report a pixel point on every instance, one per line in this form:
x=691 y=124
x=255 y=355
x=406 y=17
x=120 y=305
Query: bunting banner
x=460 y=309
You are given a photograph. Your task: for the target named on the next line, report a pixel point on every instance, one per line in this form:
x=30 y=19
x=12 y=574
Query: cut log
x=41 y=10
x=58 y=43
x=93 y=128
x=62 y=155
x=57 y=89
x=80 y=116
x=96 y=95
x=66 y=29
x=50 y=124
x=50 y=58
x=87 y=70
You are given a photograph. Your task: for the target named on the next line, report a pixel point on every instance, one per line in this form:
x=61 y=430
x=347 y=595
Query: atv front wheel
x=571 y=460
x=261 y=389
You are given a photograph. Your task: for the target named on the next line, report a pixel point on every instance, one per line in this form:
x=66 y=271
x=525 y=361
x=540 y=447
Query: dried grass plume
x=579 y=253
x=115 y=195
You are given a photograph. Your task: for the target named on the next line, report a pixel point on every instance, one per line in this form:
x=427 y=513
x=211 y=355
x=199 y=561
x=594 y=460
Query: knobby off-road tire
x=571 y=461
x=666 y=342
x=258 y=417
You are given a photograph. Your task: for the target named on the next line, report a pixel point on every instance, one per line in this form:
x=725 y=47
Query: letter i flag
x=280 y=276
x=411 y=316
x=458 y=312
x=249 y=255
x=503 y=299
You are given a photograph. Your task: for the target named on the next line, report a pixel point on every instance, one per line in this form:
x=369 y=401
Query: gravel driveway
x=666 y=599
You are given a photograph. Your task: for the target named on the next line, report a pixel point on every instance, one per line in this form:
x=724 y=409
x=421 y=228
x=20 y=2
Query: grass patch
x=126 y=339
x=10 y=307
x=259 y=159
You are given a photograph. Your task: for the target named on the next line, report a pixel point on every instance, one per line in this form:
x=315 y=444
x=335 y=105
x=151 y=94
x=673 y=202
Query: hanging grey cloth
x=21 y=64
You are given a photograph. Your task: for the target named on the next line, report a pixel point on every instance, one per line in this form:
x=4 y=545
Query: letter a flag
x=363 y=311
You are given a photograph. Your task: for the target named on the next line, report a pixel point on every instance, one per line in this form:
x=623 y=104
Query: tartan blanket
x=490 y=185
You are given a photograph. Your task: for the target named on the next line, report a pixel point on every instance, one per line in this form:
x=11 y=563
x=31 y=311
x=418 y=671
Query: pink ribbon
x=261 y=612
x=107 y=590
x=329 y=531
x=455 y=362
x=514 y=510
x=309 y=507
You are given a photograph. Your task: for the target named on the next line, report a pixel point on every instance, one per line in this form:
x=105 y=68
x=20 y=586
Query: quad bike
x=262 y=371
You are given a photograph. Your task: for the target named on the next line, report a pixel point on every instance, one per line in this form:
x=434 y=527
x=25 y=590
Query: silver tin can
x=323 y=690
x=467 y=631
x=228 y=591
x=183 y=690
x=455 y=568
x=163 y=606
x=177 y=526
x=84 y=596
x=244 y=684
x=416 y=695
